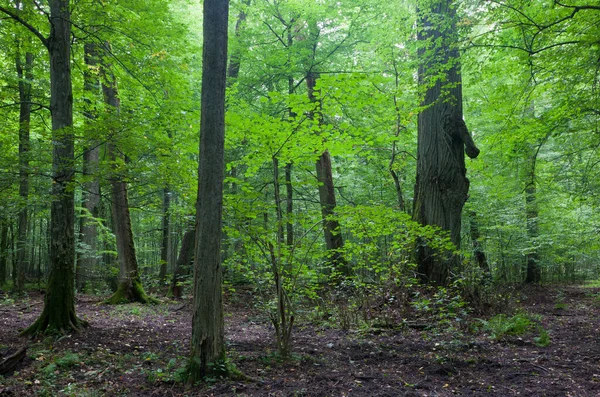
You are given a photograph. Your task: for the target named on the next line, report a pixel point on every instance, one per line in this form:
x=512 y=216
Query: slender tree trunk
x=166 y=227
x=88 y=233
x=278 y=210
x=130 y=287
x=334 y=241
x=208 y=339
x=480 y=257
x=289 y=208
x=533 y=274
x=3 y=251
x=184 y=262
x=25 y=73
x=58 y=315
x=441 y=186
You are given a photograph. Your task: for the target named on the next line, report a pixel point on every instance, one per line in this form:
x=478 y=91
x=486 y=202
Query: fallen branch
x=9 y=363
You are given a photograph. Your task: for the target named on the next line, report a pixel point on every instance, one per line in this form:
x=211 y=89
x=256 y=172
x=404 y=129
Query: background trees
x=529 y=80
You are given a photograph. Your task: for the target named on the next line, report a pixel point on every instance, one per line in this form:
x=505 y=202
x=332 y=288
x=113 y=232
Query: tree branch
x=26 y=24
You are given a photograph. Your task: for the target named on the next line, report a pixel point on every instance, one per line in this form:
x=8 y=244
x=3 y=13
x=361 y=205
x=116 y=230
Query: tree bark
x=533 y=273
x=334 y=241
x=441 y=186
x=25 y=73
x=58 y=315
x=184 y=262
x=88 y=233
x=208 y=344
x=166 y=227
x=289 y=208
x=130 y=287
x=3 y=251
x=478 y=252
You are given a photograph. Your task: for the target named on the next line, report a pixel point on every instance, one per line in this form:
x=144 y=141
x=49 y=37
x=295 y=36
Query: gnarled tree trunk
x=441 y=187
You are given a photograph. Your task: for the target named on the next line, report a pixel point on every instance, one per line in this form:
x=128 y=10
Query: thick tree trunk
x=441 y=187
x=208 y=339
x=130 y=287
x=334 y=241
x=88 y=233
x=184 y=262
x=166 y=227
x=58 y=315
x=25 y=73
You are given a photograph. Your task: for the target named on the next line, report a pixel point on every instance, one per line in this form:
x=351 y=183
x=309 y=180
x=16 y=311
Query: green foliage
x=501 y=327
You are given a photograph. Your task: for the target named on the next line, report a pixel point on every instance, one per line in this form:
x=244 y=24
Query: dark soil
x=132 y=350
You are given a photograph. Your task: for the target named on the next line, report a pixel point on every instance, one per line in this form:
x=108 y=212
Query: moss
x=130 y=291
x=53 y=323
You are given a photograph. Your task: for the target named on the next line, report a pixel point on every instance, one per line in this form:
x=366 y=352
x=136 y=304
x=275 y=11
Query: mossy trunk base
x=53 y=322
x=130 y=291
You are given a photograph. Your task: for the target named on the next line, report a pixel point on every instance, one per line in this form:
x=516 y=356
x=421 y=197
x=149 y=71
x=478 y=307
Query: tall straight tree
x=25 y=74
x=334 y=241
x=130 y=287
x=441 y=187
x=58 y=315
x=90 y=205
x=208 y=343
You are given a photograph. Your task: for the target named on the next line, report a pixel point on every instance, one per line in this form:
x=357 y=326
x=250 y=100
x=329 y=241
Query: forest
x=299 y=198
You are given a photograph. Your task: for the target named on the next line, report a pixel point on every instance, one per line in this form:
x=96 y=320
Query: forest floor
x=131 y=350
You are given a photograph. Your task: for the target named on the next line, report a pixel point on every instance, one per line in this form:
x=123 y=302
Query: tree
x=208 y=343
x=58 y=315
x=441 y=187
x=130 y=287
x=25 y=74
x=88 y=233
x=331 y=226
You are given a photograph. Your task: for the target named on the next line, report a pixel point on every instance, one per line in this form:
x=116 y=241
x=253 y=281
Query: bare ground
x=131 y=350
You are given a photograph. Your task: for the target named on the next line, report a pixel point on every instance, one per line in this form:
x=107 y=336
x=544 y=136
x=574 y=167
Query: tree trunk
x=58 y=315
x=478 y=252
x=334 y=241
x=184 y=261
x=289 y=208
x=3 y=251
x=441 y=187
x=25 y=73
x=130 y=287
x=88 y=233
x=277 y=196
x=208 y=342
x=533 y=274
x=164 y=246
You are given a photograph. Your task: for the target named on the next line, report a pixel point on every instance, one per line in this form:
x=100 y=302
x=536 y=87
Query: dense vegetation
x=346 y=128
